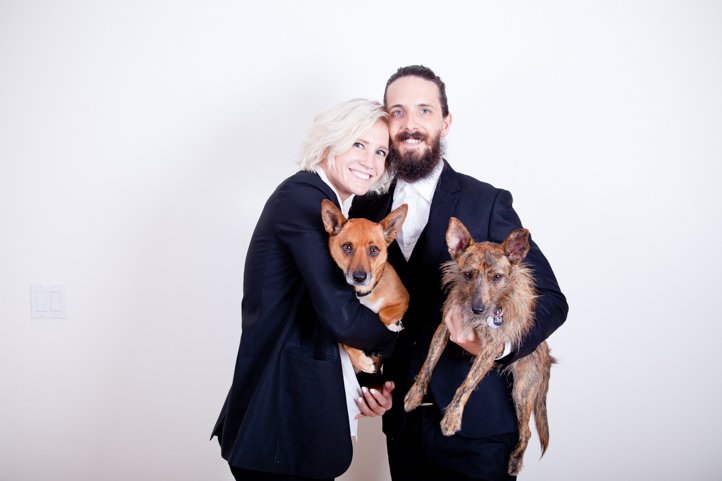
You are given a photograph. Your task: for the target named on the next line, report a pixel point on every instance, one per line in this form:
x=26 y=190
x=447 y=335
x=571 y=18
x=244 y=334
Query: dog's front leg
x=360 y=361
x=451 y=423
x=391 y=316
x=416 y=393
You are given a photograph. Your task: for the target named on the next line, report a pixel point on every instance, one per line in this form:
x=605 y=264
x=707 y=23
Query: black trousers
x=422 y=453
x=248 y=475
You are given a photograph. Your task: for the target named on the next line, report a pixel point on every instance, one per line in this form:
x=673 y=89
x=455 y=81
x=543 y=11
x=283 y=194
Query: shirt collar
x=424 y=187
x=345 y=206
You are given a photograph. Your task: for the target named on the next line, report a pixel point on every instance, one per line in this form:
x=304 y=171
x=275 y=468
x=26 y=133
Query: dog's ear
x=333 y=219
x=392 y=223
x=516 y=245
x=458 y=238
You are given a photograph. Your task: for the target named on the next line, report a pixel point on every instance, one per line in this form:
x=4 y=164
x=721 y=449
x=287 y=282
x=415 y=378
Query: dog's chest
x=372 y=301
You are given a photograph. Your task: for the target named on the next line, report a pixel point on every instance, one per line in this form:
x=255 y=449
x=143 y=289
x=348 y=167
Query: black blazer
x=286 y=409
x=488 y=214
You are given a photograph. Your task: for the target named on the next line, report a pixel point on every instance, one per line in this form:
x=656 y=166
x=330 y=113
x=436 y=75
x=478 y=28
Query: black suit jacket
x=488 y=214
x=286 y=409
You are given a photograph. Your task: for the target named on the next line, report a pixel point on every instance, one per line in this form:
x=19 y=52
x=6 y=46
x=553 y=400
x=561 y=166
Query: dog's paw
x=413 y=398
x=451 y=423
x=366 y=364
x=515 y=463
x=397 y=326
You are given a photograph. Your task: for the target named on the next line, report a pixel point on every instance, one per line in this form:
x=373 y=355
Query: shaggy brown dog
x=493 y=291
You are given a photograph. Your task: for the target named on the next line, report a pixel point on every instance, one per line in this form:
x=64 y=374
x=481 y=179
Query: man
x=415 y=99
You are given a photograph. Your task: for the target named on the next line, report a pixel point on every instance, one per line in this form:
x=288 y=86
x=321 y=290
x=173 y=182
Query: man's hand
x=465 y=337
x=460 y=334
x=374 y=402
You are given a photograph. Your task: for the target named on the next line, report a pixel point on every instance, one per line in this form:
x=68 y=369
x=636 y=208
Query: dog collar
x=364 y=294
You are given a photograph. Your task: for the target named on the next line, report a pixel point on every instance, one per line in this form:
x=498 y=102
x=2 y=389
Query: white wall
x=139 y=140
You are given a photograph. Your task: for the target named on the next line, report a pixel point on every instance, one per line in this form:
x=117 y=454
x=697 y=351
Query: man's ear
x=458 y=238
x=445 y=125
x=333 y=219
x=516 y=245
x=392 y=223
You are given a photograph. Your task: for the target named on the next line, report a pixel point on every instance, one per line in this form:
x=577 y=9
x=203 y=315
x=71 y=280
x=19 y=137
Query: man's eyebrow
x=422 y=104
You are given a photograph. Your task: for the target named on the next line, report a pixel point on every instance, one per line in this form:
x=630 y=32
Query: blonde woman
x=290 y=411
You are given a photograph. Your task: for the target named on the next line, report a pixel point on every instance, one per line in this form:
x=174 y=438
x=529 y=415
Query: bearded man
x=415 y=98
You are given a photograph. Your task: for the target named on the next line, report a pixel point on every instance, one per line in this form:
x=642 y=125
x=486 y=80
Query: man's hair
x=426 y=74
x=334 y=131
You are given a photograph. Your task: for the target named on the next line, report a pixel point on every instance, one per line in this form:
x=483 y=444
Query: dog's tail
x=540 y=408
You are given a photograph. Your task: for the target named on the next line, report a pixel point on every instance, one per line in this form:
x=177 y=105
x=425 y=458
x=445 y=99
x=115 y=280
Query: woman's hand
x=374 y=402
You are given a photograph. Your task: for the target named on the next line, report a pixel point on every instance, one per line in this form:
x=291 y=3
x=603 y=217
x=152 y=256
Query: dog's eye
x=468 y=275
x=373 y=251
x=347 y=248
x=497 y=278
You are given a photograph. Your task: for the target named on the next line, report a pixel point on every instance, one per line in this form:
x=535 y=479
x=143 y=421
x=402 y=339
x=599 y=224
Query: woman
x=286 y=416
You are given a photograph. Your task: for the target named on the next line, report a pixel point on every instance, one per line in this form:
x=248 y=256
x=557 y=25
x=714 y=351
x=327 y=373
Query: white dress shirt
x=350 y=383
x=418 y=197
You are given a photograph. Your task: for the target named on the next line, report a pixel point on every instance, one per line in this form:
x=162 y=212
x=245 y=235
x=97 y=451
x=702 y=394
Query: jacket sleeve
x=301 y=230
x=551 y=307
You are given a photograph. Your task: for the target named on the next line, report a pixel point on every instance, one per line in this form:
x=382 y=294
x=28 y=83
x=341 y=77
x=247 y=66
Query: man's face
x=416 y=126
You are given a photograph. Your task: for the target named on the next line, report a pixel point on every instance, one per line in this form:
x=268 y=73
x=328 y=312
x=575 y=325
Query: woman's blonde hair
x=334 y=131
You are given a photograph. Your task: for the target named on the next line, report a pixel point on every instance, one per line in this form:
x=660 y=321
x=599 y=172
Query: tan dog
x=359 y=247
x=494 y=293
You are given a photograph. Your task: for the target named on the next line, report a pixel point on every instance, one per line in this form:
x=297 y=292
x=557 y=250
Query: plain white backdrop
x=139 y=141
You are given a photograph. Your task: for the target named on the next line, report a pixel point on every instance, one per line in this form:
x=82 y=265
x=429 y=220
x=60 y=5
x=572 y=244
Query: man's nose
x=410 y=123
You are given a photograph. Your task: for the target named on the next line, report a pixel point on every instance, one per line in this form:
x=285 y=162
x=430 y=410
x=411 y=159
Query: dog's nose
x=478 y=309
x=359 y=276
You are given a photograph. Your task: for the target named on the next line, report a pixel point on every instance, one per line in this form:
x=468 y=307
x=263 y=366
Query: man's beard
x=412 y=166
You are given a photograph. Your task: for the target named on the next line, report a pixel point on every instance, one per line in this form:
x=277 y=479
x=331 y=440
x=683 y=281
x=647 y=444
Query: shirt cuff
x=507 y=350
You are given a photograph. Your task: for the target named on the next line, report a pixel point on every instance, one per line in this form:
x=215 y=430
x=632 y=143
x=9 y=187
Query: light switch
x=48 y=301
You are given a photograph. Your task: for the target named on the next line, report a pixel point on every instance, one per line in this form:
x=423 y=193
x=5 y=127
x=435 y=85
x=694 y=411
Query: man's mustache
x=406 y=135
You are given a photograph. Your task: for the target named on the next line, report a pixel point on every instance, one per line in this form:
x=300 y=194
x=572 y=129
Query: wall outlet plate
x=48 y=301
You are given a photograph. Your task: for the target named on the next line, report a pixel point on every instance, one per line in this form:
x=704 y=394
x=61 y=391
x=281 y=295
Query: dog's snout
x=359 y=276
x=478 y=309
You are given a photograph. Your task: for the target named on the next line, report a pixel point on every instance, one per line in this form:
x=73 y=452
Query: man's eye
x=425 y=111
x=397 y=112
x=373 y=251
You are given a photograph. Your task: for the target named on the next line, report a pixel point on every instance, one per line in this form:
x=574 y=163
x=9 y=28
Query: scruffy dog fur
x=494 y=293
x=359 y=248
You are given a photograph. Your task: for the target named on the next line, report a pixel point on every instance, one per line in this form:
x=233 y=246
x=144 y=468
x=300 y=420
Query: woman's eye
x=381 y=153
x=358 y=145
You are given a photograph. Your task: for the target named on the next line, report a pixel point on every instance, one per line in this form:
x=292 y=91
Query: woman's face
x=356 y=170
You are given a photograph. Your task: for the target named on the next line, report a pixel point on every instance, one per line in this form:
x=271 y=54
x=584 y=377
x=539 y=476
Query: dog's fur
x=493 y=291
x=359 y=247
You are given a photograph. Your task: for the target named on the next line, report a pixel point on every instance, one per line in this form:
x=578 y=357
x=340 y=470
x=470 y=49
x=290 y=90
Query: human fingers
x=372 y=403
